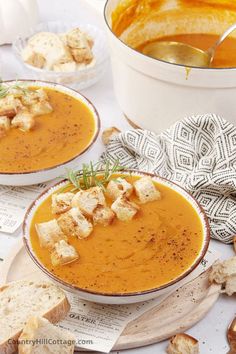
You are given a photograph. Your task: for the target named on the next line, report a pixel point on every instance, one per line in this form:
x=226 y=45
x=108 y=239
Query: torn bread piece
x=10 y=106
x=40 y=108
x=74 y=223
x=88 y=200
x=82 y=55
x=183 y=344
x=61 y=202
x=5 y=124
x=118 y=187
x=145 y=190
x=109 y=134
x=30 y=57
x=124 y=209
x=103 y=215
x=24 y=120
x=49 y=233
x=230 y=285
x=76 y=38
x=63 y=253
x=39 y=336
x=221 y=271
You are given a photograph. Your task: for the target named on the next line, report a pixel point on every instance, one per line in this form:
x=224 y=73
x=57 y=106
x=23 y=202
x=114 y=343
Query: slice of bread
x=39 y=336
x=22 y=299
x=183 y=344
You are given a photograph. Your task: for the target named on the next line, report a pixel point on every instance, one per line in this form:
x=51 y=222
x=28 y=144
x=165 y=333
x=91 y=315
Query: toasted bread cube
x=24 y=120
x=63 y=253
x=118 y=187
x=82 y=55
x=32 y=58
x=41 y=108
x=124 y=209
x=221 y=271
x=183 y=344
x=9 y=106
x=73 y=223
x=5 y=124
x=103 y=215
x=88 y=200
x=61 y=202
x=108 y=134
x=145 y=190
x=49 y=233
x=230 y=285
x=78 y=39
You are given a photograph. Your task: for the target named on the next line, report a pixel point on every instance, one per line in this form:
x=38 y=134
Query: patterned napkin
x=198 y=153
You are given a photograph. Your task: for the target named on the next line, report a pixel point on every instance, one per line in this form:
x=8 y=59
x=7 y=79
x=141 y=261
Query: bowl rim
x=89 y=105
x=151 y=59
x=86 y=69
x=178 y=189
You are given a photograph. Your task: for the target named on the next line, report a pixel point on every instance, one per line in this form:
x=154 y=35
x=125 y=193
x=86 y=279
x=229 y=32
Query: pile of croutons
x=19 y=108
x=78 y=213
x=66 y=52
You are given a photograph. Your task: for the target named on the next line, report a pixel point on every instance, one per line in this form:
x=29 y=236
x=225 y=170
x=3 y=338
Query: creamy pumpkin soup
x=133 y=236
x=36 y=139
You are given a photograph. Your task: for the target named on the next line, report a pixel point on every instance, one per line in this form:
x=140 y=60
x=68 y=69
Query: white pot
x=155 y=94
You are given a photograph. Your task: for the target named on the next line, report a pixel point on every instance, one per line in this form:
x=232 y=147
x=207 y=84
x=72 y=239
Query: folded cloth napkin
x=198 y=153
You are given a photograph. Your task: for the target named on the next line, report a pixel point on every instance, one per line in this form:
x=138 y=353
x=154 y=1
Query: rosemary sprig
x=92 y=175
x=5 y=88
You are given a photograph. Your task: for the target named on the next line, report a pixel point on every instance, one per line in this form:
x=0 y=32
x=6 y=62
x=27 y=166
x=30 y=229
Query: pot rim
x=152 y=60
x=178 y=189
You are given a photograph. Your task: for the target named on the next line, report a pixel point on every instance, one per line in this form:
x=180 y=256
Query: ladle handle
x=211 y=50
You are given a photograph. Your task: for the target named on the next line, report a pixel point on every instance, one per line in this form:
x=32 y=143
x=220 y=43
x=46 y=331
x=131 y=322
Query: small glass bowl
x=80 y=79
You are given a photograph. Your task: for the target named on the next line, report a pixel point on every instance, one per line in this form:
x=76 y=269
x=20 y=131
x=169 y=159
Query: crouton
x=9 y=106
x=221 y=271
x=65 y=67
x=63 y=253
x=61 y=202
x=41 y=108
x=30 y=57
x=103 y=215
x=145 y=190
x=108 y=134
x=24 y=120
x=5 y=124
x=124 y=209
x=183 y=344
x=82 y=55
x=78 y=39
x=118 y=187
x=88 y=200
x=230 y=285
x=49 y=233
x=73 y=223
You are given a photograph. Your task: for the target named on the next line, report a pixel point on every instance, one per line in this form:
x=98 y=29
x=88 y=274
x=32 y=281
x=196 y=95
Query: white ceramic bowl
x=43 y=175
x=118 y=298
x=79 y=79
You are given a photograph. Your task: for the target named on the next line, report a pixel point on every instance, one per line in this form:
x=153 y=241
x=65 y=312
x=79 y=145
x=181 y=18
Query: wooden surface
x=177 y=313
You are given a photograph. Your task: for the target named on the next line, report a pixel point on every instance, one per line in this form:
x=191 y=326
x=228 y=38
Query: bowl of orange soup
x=154 y=94
x=44 y=129
x=134 y=239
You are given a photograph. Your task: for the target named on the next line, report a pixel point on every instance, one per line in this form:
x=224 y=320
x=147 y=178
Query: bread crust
x=54 y=315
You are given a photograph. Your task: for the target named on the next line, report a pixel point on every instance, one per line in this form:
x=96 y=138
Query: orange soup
x=225 y=56
x=158 y=245
x=57 y=137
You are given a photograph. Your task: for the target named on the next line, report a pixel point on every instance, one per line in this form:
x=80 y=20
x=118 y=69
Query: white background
x=211 y=331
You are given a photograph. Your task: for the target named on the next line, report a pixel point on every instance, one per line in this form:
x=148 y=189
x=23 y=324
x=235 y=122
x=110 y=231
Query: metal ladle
x=181 y=53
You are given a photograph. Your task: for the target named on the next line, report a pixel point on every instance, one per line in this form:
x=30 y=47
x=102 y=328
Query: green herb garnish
x=5 y=88
x=92 y=175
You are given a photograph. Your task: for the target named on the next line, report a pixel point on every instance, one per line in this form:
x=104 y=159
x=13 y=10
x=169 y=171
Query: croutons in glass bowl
x=70 y=54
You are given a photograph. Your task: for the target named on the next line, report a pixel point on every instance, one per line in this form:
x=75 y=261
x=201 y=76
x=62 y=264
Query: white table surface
x=211 y=330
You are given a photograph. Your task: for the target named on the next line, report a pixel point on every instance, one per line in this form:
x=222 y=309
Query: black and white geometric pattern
x=198 y=153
